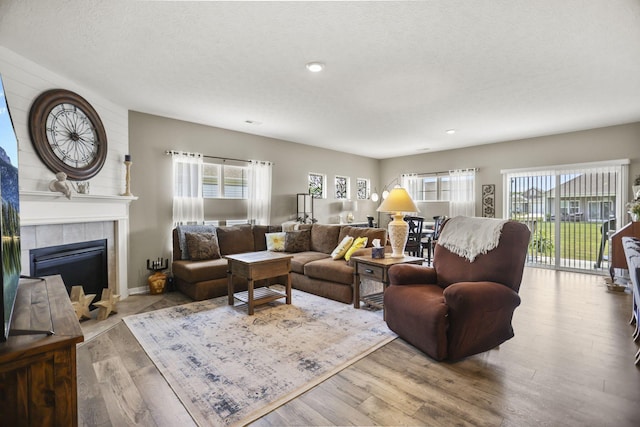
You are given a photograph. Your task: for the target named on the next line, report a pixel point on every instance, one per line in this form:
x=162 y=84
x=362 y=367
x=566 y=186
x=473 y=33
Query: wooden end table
x=375 y=269
x=257 y=266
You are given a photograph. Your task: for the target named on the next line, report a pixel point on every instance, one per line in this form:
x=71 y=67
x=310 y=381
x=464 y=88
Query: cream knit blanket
x=469 y=237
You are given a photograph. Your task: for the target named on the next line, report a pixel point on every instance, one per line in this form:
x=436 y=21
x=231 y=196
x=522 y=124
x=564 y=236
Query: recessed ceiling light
x=450 y=131
x=315 y=67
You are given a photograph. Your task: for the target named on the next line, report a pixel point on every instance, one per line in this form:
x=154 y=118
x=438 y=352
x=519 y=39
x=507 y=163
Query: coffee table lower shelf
x=260 y=296
x=374 y=300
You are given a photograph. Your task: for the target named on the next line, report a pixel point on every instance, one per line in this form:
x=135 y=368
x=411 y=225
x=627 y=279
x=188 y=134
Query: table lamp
x=398 y=202
x=349 y=206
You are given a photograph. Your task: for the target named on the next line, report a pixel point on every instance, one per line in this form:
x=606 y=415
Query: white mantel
x=44 y=208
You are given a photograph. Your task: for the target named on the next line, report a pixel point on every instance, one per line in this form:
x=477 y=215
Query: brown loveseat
x=312 y=268
x=459 y=308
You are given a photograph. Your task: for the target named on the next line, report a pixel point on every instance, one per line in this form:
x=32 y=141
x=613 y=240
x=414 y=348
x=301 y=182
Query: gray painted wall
x=150 y=136
x=151 y=215
x=610 y=143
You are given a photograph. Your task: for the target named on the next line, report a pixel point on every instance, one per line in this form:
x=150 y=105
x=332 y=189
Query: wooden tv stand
x=38 y=370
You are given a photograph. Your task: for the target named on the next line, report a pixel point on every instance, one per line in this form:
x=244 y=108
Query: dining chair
x=430 y=240
x=414 y=240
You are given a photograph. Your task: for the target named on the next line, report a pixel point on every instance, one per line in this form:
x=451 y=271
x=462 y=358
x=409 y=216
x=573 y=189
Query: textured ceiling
x=398 y=74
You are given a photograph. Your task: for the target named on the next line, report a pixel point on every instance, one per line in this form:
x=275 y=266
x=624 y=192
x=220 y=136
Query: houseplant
x=634 y=210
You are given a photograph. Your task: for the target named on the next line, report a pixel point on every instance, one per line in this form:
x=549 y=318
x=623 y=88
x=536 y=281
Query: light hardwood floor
x=570 y=364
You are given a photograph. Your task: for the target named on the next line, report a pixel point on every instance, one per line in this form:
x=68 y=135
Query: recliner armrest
x=412 y=274
x=484 y=296
x=480 y=316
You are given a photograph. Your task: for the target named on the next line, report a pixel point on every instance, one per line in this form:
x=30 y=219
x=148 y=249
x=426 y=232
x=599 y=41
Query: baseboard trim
x=139 y=290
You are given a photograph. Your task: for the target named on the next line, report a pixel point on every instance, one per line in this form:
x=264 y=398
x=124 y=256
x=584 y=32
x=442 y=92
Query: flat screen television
x=10 y=219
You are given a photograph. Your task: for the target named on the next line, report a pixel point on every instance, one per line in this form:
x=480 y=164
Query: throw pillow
x=358 y=243
x=342 y=247
x=202 y=246
x=290 y=226
x=275 y=241
x=184 y=229
x=297 y=241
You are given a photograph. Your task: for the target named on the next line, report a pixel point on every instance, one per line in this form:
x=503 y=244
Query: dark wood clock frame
x=41 y=109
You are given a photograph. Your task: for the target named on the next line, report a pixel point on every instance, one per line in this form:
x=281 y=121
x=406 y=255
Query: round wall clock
x=68 y=134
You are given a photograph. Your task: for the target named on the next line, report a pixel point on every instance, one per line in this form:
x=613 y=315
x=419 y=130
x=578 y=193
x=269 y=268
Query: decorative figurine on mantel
x=60 y=185
x=158 y=280
x=81 y=187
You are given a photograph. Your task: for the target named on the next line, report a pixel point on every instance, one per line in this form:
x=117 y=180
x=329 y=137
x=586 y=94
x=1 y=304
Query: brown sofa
x=312 y=270
x=459 y=308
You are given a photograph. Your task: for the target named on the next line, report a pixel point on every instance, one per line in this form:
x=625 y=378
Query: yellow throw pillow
x=275 y=241
x=342 y=248
x=359 y=243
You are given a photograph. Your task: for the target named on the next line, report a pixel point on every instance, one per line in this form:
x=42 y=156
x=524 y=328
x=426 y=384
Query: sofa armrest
x=412 y=274
x=358 y=252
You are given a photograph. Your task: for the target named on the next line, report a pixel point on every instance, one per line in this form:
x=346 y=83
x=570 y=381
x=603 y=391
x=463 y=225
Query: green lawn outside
x=579 y=240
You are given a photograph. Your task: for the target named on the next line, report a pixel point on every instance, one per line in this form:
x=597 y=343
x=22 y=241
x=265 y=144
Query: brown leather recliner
x=459 y=308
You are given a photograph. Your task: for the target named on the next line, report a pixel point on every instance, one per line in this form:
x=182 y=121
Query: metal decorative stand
x=158 y=280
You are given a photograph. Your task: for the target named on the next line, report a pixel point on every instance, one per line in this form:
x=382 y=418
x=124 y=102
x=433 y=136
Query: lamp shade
x=398 y=200
x=349 y=205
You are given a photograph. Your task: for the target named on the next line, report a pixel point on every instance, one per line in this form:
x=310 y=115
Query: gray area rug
x=229 y=368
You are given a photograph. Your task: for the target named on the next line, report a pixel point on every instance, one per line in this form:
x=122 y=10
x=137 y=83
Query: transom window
x=317 y=185
x=342 y=187
x=364 y=188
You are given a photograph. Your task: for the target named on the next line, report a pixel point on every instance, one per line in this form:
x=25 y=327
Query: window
x=567 y=207
x=429 y=187
x=317 y=185
x=236 y=221
x=444 y=188
x=364 y=188
x=342 y=187
x=600 y=210
x=224 y=181
x=211 y=180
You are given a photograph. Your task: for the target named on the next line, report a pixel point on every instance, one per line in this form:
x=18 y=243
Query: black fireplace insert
x=83 y=263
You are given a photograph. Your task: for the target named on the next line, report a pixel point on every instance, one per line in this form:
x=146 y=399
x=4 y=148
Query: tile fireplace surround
x=49 y=219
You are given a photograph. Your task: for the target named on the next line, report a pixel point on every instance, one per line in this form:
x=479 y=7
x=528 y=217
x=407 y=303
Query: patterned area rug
x=229 y=368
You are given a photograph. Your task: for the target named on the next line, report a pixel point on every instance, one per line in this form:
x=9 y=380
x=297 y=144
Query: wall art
x=489 y=201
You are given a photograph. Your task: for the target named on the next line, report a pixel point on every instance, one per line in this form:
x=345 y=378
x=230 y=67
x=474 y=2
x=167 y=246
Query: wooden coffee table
x=257 y=266
x=375 y=269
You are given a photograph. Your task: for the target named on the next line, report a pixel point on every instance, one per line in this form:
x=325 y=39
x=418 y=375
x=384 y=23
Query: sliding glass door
x=570 y=210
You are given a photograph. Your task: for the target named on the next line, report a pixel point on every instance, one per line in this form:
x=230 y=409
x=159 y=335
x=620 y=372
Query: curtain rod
x=172 y=152
x=446 y=172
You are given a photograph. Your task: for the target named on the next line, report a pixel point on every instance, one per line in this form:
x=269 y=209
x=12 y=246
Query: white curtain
x=259 y=192
x=462 y=188
x=188 y=204
x=413 y=184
